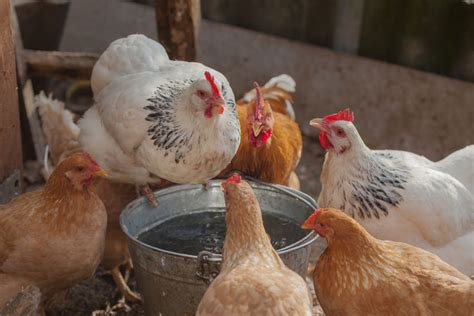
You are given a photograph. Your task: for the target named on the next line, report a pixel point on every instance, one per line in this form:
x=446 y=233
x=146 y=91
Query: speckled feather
x=142 y=127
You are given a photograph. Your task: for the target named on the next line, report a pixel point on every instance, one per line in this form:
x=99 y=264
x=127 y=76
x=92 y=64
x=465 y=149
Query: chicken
x=53 y=238
x=61 y=135
x=253 y=280
x=271 y=142
x=155 y=118
x=360 y=275
x=398 y=195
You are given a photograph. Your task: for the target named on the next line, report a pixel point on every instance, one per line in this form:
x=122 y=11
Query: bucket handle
x=208 y=265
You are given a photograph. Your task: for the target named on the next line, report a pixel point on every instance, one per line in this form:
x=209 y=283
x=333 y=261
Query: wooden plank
x=64 y=64
x=349 y=15
x=176 y=20
x=10 y=132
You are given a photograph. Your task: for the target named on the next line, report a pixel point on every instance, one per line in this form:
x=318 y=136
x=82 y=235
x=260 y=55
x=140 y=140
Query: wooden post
x=177 y=22
x=10 y=132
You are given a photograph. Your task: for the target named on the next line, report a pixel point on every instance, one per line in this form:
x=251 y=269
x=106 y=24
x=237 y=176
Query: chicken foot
x=148 y=192
x=122 y=286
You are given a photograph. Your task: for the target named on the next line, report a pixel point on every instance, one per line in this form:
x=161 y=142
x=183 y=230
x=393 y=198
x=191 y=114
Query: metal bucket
x=174 y=283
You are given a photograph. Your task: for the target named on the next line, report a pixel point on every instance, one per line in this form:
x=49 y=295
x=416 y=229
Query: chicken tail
x=58 y=126
x=133 y=54
x=278 y=91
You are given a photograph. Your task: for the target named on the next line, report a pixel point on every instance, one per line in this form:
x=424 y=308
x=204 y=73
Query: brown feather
x=275 y=161
x=52 y=238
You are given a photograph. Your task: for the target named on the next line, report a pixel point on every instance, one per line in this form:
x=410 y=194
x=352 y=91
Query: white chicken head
x=336 y=131
x=206 y=96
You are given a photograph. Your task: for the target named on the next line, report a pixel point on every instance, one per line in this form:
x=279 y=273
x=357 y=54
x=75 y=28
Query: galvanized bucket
x=174 y=283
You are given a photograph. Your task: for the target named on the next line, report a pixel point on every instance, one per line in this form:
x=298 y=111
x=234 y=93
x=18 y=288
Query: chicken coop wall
x=10 y=134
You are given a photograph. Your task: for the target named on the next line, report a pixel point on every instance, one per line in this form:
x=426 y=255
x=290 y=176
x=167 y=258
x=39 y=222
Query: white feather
x=284 y=82
x=115 y=130
x=130 y=55
x=45 y=103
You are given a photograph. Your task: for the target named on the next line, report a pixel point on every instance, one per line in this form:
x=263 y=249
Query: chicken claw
x=148 y=192
x=122 y=286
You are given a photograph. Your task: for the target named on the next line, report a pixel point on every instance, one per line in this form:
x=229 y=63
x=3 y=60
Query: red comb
x=316 y=213
x=344 y=115
x=310 y=221
x=234 y=178
x=259 y=102
x=210 y=78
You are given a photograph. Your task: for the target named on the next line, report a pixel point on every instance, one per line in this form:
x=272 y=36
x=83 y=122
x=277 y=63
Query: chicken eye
x=80 y=169
x=340 y=132
x=201 y=93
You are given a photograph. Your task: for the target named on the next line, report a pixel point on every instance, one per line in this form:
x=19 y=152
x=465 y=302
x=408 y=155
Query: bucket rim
x=254 y=183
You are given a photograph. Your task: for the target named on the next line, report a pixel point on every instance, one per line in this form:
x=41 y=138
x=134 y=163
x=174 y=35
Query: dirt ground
x=98 y=296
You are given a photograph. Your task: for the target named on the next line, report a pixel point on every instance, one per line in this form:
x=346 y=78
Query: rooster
x=271 y=142
x=253 y=280
x=53 y=238
x=398 y=195
x=360 y=275
x=155 y=118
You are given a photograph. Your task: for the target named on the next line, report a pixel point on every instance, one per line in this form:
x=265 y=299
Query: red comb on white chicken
x=399 y=195
x=155 y=118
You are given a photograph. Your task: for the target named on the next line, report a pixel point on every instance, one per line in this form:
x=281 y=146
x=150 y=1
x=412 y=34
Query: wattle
x=324 y=141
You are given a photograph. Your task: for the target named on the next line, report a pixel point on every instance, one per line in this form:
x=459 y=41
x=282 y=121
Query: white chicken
x=155 y=119
x=399 y=195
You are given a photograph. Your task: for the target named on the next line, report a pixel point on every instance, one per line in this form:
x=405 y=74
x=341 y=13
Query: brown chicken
x=253 y=280
x=53 y=238
x=62 y=137
x=360 y=275
x=271 y=142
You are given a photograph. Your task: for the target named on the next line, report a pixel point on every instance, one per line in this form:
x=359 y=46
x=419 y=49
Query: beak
x=257 y=128
x=306 y=226
x=319 y=124
x=218 y=105
x=101 y=173
x=216 y=109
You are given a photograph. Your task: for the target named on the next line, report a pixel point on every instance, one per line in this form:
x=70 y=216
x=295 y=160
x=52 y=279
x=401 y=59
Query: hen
x=61 y=135
x=253 y=280
x=398 y=195
x=271 y=142
x=53 y=238
x=155 y=118
x=360 y=275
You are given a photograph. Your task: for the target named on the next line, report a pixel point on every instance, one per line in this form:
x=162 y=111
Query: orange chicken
x=271 y=142
x=53 y=238
x=253 y=280
x=360 y=275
